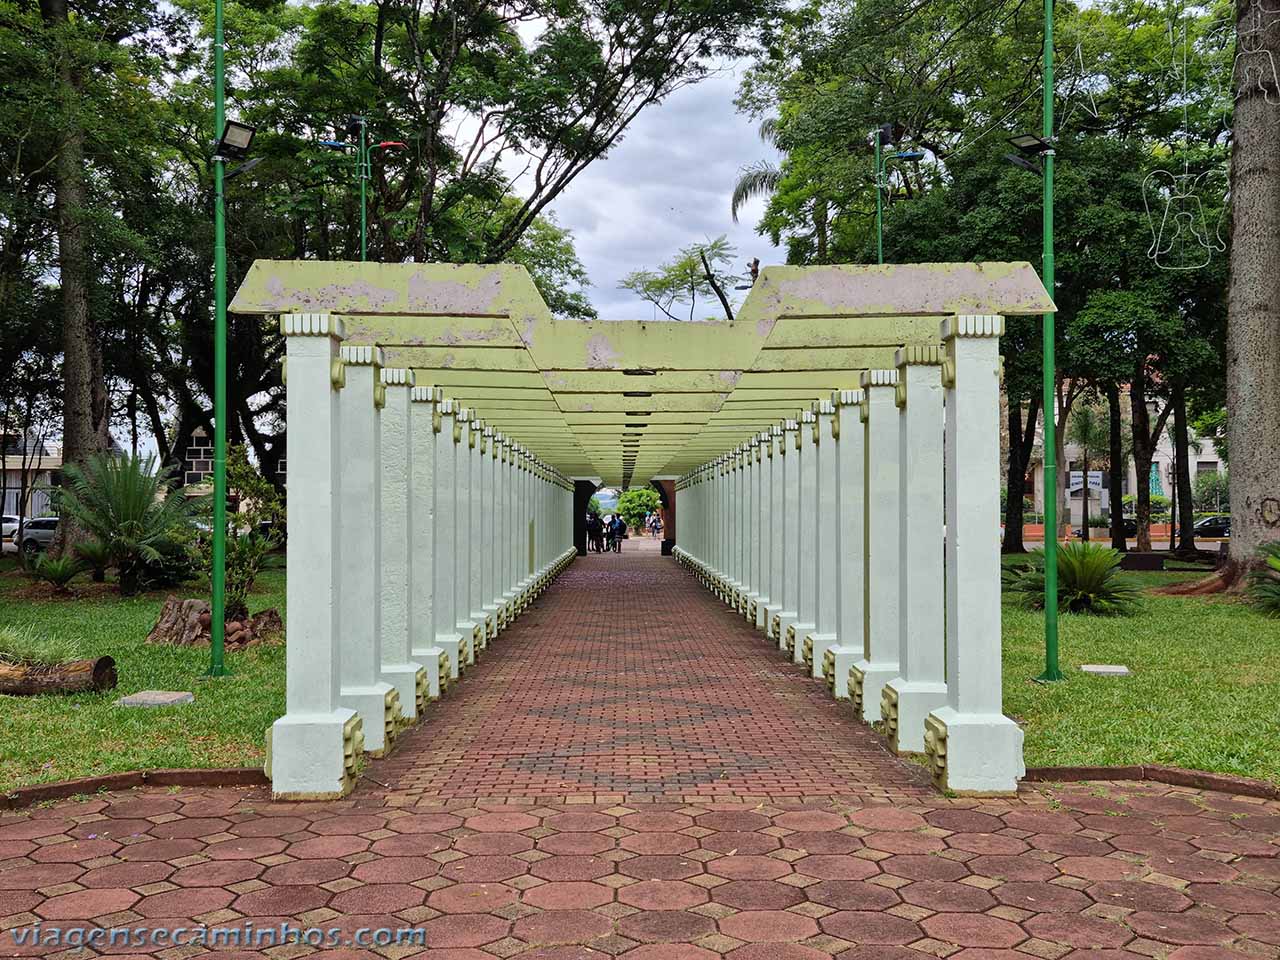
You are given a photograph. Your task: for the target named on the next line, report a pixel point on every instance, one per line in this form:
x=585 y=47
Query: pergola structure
x=547 y=401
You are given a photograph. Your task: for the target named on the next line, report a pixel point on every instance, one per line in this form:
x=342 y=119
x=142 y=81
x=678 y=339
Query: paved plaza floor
x=632 y=772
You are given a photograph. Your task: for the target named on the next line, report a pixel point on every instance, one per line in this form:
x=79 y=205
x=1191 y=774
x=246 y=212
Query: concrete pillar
x=776 y=520
x=879 y=663
x=827 y=550
x=972 y=748
x=789 y=448
x=313 y=750
x=395 y=523
x=490 y=531
x=807 y=594
x=920 y=686
x=751 y=528
x=466 y=627
x=424 y=431
x=360 y=552
x=761 y=527
x=445 y=556
x=479 y=545
x=850 y=526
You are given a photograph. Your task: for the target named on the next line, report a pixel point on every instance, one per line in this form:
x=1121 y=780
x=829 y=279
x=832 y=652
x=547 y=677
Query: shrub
x=252 y=533
x=135 y=512
x=1264 y=579
x=1088 y=580
x=96 y=556
x=58 y=571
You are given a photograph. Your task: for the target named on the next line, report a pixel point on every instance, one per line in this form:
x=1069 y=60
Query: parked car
x=1130 y=525
x=1219 y=526
x=8 y=533
x=37 y=534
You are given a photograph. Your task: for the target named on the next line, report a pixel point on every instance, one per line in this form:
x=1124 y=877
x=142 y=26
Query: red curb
x=210 y=777
x=1174 y=776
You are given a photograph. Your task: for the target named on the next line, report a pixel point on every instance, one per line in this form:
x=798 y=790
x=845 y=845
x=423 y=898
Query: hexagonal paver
x=395 y=870
x=217 y=873
x=580 y=822
x=912 y=867
x=768 y=926
x=1136 y=895
x=736 y=820
x=348 y=825
x=575 y=844
x=658 y=867
x=749 y=868
x=973 y=930
x=573 y=868
x=852 y=895
x=568 y=895
x=184 y=902
x=1041 y=897
x=863 y=926
x=562 y=926
x=826 y=867
x=1179 y=928
x=808 y=841
x=1012 y=868
x=1079 y=931
x=425 y=823
x=485 y=869
x=809 y=820
x=405 y=845
x=660 y=822
x=281 y=901
x=741 y=841
x=501 y=822
x=487 y=844
x=947 y=897
x=658 y=843
x=307 y=871
x=665 y=926
x=757 y=895
x=378 y=898
x=464 y=930
x=662 y=895
x=86 y=904
x=472 y=898
x=127 y=874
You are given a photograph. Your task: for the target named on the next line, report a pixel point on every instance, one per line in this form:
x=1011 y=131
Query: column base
x=436 y=672
x=974 y=754
x=409 y=679
x=815 y=650
x=756 y=613
x=748 y=609
x=904 y=706
x=451 y=644
x=835 y=667
x=795 y=640
x=767 y=614
x=314 y=756
x=467 y=631
x=479 y=635
x=374 y=704
x=782 y=622
x=865 y=682
x=491 y=614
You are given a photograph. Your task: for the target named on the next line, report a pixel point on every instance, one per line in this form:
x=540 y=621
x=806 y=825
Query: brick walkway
x=628 y=681
x=471 y=857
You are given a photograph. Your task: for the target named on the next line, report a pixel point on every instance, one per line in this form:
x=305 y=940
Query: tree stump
x=74 y=676
x=187 y=623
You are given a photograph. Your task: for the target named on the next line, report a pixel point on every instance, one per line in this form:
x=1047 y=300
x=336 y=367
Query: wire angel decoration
x=1255 y=66
x=1079 y=94
x=1181 y=238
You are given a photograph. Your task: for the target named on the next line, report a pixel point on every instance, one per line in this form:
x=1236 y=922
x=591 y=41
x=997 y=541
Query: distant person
x=595 y=532
x=655 y=525
x=618 y=527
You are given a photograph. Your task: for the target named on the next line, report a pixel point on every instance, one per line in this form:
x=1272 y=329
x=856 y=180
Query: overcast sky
x=665 y=186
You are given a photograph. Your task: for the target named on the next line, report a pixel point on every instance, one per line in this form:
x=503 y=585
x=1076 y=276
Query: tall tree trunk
x=820 y=229
x=1021 y=443
x=1186 y=543
x=1084 y=509
x=1115 y=468
x=1145 y=437
x=84 y=418
x=1253 y=297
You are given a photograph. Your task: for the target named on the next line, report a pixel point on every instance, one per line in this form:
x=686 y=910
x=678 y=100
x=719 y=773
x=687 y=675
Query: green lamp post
x=232 y=143
x=881 y=135
x=357 y=132
x=1031 y=146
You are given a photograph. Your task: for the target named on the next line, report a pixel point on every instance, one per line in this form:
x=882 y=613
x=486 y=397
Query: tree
x=1253 y=312
x=1088 y=431
x=698 y=270
x=636 y=504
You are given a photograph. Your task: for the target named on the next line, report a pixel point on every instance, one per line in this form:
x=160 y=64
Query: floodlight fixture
x=1031 y=144
x=1024 y=163
x=235 y=140
x=242 y=168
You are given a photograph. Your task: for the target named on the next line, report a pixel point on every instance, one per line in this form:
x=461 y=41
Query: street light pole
x=217 y=622
x=362 y=167
x=1052 y=671
x=879 y=199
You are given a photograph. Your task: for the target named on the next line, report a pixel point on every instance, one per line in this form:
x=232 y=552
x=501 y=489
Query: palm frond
x=756 y=180
x=1264 y=579
x=1088 y=581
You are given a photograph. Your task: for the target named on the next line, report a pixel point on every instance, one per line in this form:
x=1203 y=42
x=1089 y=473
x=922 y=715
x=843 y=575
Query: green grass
x=79 y=735
x=1203 y=692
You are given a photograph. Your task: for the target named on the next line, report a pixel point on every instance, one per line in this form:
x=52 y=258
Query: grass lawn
x=1203 y=693
x=79 y=735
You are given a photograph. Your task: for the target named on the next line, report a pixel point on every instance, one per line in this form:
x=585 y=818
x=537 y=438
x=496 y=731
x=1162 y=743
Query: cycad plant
x=134 y=512
x=1088 y=581
x=96 y=556
x=56 y=571
x=1264 y=579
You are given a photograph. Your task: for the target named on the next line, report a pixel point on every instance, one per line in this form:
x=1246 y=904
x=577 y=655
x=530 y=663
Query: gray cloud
x=666 y=185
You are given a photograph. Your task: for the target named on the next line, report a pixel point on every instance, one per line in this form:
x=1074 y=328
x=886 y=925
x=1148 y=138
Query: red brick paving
x=865 y=870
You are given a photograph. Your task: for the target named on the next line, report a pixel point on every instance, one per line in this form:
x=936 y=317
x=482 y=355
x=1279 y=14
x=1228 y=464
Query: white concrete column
x=475 y=438
x=776 y=520
x=823 y=635
x=446 y=556
x=514 y=532
x=751 y=528
x=920 y=686
x=972 y=747
x=396 y=523
x=807 y=602
x=491 y=531
x=761 y=527
x=879 y=663
x=850 y=527
x=360 y=552
x=312 y=751
x=424 y=428
x=462 y=545
x=789 y=448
